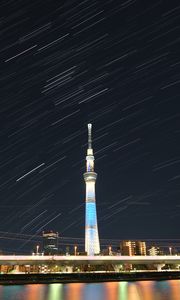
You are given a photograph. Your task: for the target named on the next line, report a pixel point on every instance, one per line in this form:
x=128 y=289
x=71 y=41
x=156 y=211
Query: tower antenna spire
x=89 y=136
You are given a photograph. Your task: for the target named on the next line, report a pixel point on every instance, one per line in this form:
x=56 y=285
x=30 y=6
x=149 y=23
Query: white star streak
x=92 y=96
x=30 y=172
x=20 y=53
x=49 y=222
x=75 y=112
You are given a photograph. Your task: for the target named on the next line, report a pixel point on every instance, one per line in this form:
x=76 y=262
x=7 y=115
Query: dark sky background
x=115 y=64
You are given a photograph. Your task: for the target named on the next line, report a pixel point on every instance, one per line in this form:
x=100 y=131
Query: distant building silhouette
x=127 y=248
x=131 y=248
x=50 y=242
x=154 y=251
x=140 y=248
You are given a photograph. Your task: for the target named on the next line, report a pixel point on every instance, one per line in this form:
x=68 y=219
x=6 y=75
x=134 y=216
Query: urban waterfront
x=140 y=290
x=89 y=150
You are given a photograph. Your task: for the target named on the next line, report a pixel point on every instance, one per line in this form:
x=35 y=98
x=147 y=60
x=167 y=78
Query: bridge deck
x=98 y=260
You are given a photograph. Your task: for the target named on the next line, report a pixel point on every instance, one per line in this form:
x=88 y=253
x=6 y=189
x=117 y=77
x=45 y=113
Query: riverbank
x=14 y=279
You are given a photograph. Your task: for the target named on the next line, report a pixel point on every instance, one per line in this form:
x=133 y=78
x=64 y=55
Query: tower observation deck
x=92 y=245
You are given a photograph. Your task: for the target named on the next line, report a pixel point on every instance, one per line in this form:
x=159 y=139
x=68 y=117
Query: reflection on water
x=174 y=289
x=55 y=291
x=122 y=290
x=111 y=290
x=163 y=289
x=147 y=290
x=73 y=291
x=33 y=292
x=140 y=290
x=93 y=292
x=134 y=292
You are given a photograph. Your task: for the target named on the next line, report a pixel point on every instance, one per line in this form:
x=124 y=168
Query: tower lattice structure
x=92 y=245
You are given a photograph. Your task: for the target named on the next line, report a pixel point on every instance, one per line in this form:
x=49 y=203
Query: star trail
x=111 y=63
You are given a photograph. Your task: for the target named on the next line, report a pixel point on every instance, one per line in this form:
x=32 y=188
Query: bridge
x=88 y=260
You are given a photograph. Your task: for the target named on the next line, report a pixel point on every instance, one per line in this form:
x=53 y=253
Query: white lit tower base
x=92 y=245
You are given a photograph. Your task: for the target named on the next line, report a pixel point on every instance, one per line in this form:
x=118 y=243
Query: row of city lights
x=37 y=252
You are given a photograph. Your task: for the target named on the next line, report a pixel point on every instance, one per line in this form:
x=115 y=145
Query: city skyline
x=115 y=65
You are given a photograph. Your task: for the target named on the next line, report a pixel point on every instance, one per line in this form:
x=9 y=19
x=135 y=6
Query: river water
x=140 y=290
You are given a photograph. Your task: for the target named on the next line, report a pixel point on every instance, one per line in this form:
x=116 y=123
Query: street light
x=170 y=250
x=110 y=250
x=75 y=250
x=37 y=250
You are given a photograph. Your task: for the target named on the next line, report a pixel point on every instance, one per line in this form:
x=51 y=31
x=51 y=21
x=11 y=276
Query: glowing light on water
x=134 y=292
x=122 y=290
x=34 y=291
x=147 y=289
x=55 y=291
x=74 y=292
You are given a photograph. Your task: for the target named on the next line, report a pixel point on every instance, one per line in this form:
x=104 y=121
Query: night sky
x=115 y=64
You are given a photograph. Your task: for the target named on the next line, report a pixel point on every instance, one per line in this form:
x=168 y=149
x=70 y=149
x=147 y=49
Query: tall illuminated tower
x=92 y=245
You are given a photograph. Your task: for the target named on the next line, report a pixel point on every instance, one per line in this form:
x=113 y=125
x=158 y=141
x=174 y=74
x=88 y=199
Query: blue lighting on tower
x=91 y=214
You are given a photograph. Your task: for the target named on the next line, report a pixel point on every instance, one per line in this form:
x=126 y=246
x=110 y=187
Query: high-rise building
x=154 y=251
x=50 y=242
x=131 y=248
x=140 y=248
x=92 y=245
x=128 y=248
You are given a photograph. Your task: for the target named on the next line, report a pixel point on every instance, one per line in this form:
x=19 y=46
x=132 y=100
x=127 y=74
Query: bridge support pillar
x=16 y=268
x=68 y=269
x=118 y=268
x=160 y=266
